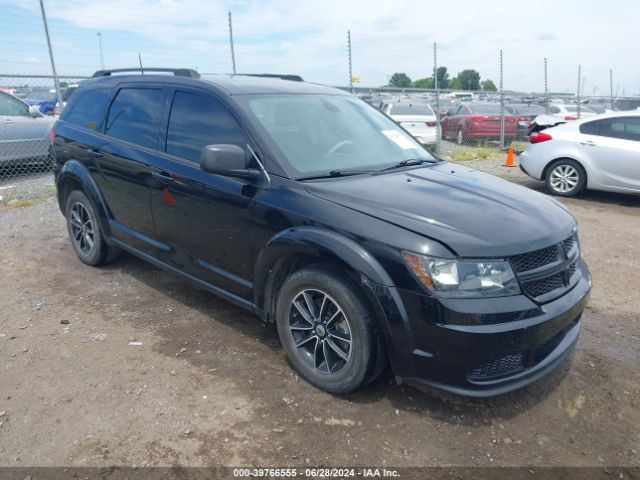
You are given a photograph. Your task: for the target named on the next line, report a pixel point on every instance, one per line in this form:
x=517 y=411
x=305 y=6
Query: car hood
x=475 y=214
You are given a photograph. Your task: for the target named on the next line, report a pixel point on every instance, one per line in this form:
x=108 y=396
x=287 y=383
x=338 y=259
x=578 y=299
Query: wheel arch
x=545 y=171
x=294 y=248
x=74 y=175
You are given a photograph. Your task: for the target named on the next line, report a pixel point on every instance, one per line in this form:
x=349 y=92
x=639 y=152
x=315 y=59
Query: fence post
x=578 y=94
x=501 y=104
x=435 y=84
x=546 y=88
x=56 y=81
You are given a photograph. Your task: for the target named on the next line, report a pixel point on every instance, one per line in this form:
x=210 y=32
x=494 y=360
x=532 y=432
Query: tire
x=84 y=231
x=460 y=137
x=335 y=348
x=565 y=178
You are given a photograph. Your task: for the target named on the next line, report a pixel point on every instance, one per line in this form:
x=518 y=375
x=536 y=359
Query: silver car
x=600 y=153
x=24 y=132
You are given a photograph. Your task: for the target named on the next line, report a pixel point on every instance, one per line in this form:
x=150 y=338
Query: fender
x=315 y=241
x=76 y=170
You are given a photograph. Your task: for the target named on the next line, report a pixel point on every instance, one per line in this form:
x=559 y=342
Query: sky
x=309 y=38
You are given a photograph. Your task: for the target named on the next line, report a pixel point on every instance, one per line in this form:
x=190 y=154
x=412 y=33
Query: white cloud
x=309 y=37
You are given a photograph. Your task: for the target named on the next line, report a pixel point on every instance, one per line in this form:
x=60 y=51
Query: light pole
x=101 y=55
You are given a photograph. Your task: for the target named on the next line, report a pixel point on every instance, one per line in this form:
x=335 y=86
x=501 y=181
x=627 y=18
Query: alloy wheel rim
x=320 y=331
x=564 y=178
x=460 y=137
x=82 y=231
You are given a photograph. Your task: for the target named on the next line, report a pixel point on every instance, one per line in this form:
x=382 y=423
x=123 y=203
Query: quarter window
x=197 y=121
x=134 y=116
x=89 y=109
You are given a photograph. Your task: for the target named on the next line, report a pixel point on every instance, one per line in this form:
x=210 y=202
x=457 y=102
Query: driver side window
x=12 y=107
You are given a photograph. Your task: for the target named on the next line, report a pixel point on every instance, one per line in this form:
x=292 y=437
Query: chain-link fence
x=29 y=107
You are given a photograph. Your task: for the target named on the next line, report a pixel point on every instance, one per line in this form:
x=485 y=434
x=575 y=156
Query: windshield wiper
x=336 y=173
x=408 y=163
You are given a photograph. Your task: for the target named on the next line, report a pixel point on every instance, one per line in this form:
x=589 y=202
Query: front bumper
x=481 y=347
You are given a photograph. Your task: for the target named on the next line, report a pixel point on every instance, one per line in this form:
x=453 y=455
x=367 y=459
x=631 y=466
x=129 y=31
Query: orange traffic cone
x=510 y=161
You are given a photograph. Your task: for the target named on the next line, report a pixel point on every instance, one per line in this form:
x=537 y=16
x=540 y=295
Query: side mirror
x=227 y=160
x=34 y=111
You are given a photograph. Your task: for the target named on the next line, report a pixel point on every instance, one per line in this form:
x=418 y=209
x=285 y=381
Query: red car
x=477 y=121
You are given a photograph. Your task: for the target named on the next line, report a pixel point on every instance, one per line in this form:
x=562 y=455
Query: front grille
x=537 y=288
x=537 y=259
x=569 y=243
x=503 y=366
x=538 y=271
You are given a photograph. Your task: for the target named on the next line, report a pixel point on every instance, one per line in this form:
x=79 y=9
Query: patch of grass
x=485 y=153
x=519 y=146
x=462 y=155
x=24 y=202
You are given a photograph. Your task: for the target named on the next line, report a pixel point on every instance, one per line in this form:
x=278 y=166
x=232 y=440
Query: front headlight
x=463 y=278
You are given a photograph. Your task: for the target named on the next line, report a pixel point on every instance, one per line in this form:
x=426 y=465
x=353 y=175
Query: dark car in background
x=44 y=98
x=476 y=121
x=525 y=114
x=316 y=211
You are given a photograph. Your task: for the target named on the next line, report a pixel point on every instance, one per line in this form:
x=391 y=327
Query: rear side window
x=134 y=116
x=88 y=110
x=197 y=121
x=623 y=128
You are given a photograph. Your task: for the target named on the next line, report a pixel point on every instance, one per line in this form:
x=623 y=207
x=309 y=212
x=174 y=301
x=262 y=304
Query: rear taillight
x=523 y=119
x=477 y=118
x=568 y=118
x=537 y=137
x=431 y=124
x=52 y=135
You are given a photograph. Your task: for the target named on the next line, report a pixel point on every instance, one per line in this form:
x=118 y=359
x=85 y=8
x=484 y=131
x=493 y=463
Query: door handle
x=588 y=144
x=163 y=177
x=94 y=153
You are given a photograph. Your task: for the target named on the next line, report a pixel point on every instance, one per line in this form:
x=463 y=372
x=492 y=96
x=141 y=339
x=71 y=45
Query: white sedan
x=570 y=112
x=599 y=153
x=418 y=119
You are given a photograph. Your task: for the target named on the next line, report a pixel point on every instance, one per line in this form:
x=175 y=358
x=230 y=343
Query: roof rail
x=286 y=76
x=178 y=72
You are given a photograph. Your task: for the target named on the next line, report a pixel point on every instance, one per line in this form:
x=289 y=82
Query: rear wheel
x=327 y=330
x=84 y=231
x=565 y=178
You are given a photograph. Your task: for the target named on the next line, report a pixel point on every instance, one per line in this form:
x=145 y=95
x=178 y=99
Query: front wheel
x=327 y=330
x=566 y=178
x=460 y=137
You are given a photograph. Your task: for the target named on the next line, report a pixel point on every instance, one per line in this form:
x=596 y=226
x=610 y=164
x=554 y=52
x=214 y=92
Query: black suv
x=317 y=212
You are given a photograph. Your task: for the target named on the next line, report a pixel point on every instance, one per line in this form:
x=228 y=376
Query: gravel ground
x=208 y=384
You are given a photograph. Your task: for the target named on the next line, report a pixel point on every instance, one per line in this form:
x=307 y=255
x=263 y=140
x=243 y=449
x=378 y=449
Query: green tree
x=469 y=79
x=443 y=77
x=454 y=84
x=424 y=83
x=400 y=80
x=488 y=86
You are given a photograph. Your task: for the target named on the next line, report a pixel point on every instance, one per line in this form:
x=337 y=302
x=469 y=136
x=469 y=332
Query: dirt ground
x=209 y=385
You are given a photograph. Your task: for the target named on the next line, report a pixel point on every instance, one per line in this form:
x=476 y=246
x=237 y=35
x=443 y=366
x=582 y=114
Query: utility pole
x=578 y=95
x=233 y=55
x=101 y=55
x=546 y=88
x=435 y=84
x=501 y=102
x=350 y=64
x=53 y=63
x=611 y=86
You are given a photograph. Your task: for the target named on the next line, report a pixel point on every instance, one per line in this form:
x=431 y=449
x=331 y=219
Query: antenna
x=140 y=59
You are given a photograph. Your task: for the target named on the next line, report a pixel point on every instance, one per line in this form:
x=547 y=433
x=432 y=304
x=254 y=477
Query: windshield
x=319 y=134
x=41 y=94
x=528 y=110
x=574 y=109
x=486 y=109
x=411 y=109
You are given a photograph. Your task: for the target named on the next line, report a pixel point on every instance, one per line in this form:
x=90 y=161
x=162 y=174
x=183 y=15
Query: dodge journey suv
x=320 y=214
